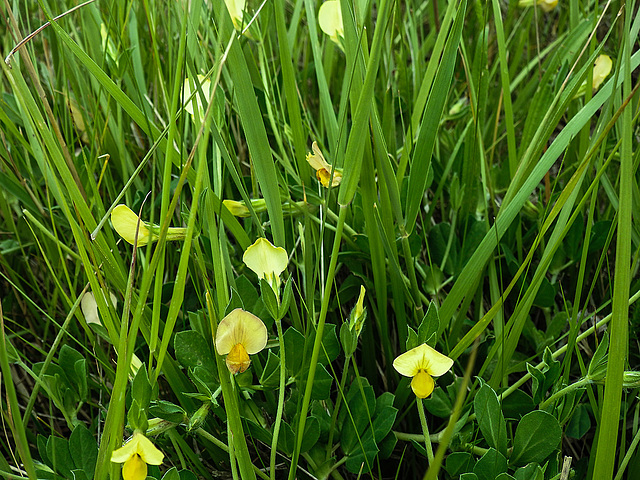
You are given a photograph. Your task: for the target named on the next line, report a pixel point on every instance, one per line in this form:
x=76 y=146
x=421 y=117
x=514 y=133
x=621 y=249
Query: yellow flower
x=205 y=85
x=267 y=261
x=322 y=168
x=236 y=9
x=358 y=314
x=546 y=5
x=422 y=363
x=330 y=20
x=136 y=454
x=240 y=209
x=601 y=70
x=125 y=222
x=239 y=335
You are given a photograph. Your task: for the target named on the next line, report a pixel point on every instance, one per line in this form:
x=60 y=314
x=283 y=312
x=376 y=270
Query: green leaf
x=294 y=349
x=168 y=411
x=490 y=418
x=579 y=424
x=83 y=449
x=490 y=465
x=538 y=434
x=58 y=453
x=458 y=463
x=429 y=326
x=192 y=350
x=141 y=388
x=270 y=376
x=531 y=471
x=269 y=298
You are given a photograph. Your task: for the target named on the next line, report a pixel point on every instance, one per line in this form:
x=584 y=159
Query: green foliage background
x=486 y=206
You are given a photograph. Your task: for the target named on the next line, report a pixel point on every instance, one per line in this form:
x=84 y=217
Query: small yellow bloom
x=125 y=222
x=330 y=21
x=236 y=9
x=239 y=335
x=267 y=261
x=601 y=70
x=187 y=90
x=546 y=5
x=422 y=363
x=358 y=313
x=136 y=454
x=322 y=168
x=89 y=306
x=240 y=209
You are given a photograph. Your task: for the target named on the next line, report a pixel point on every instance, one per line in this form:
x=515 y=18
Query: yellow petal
x=241 y=327
x=134 y=469
x=547 y=5
x=330 y=20
x=316 y=159
x=601 y=69
x=237 y=209
x=148 y=451
x=124 y=222
x=205 y=85
x=422 y=384
x=238 y=359
x=127 y=451
x=266 y=260
x=422 y=357
x=236 y=9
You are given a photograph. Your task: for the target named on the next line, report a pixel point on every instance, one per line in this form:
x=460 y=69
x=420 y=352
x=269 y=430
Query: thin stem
x=425 y=430
x=283 y=379
x=334 y=415
x=566 y=390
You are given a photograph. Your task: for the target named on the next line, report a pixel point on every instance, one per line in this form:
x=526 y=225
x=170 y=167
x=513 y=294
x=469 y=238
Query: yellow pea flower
x=422 y=363
x=267 y=261
x=136 y=454
x=236 y=9
x=601 y=70
x=322 y=168
x=240 y=209
x=546 y=5
x=187 y=91
x=239 y=335
x=330 y=21
x=125 y=222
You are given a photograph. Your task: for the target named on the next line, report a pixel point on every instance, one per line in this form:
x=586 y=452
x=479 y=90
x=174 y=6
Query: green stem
x=237 y=441
x=283 y=379
x=425 y=430
x=566 y=390
x=334 y=415
x=318 y=341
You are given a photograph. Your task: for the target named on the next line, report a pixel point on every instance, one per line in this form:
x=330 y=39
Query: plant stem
x=425 y=430
x=283 y=379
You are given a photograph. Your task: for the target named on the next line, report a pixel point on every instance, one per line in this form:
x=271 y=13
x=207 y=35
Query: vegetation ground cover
x=299 y=239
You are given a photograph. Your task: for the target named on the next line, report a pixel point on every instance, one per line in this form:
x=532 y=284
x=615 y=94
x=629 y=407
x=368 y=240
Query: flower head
x=187 y=91
x=359 y=313
x=240 y=209
x=239 y=335
x=236 y=9
x=601 y=70
x=322 y=168
x=422 y=363
x=125 y=222
x=330 y=20
x=266 y=260
x=136 y=454
x=546 y=5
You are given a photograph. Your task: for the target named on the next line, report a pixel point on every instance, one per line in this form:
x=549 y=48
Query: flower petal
x=316 y=159
x=238 y=359
x=265 y=259
x=127 y=451
x=148 y=451
x=330 y=20
x=409 y=363
x=601 y=69
x=422 y=384
x=422 y=357
x=125 y=221
x=242 y=327
x=134 y=469
x=205 y=85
